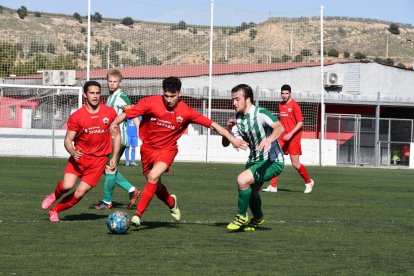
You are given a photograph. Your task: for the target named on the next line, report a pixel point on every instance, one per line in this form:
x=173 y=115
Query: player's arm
x=230 y=124
x=68 y=143
x=116 y=148
x=288 y=136
x=136 y=123
x=299 y=119
x=277 y=131
x=237 y=143
x=114 y=128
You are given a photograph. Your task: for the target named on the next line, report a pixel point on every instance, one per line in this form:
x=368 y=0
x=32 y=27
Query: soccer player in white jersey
x=260 y=129
x=117 y=100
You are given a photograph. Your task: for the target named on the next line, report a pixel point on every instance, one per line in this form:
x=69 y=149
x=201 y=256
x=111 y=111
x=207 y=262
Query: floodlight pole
x=88 y=55
x=210 y=76
x=322 y=126
x=377 y=128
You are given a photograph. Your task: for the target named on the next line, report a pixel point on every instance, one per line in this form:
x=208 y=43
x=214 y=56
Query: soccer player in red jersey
x=290 y=115
x=88 y=140
x=165 y=118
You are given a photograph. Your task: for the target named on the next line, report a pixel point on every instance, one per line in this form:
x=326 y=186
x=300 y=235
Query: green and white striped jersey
x=253 y=128
x=117 y=101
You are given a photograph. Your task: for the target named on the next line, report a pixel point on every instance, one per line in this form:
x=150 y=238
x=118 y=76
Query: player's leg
x=244 y=181
x=169 y=200
x=90 y=175
x=121 y=181
x=127 y=156
x=69 y=201
x=272 y=188
x=255 y=205
x=108 y=188
x=302 y=172
x=70 y=176
x=268 y=170
x=133 y=163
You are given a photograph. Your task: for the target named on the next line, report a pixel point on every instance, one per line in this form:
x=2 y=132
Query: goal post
x=33 y=118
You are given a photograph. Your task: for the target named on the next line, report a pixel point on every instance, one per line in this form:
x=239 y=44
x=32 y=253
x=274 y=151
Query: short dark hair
x=247 y=91
x=91 y=83
x=286 y=87
x=171 y=84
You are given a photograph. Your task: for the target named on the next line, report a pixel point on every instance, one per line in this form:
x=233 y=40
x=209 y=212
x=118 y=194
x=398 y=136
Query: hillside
x=275 y=40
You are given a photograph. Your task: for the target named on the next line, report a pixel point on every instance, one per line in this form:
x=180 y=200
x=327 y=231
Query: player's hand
x=77 y=154
x=287 y=137
x=113 y=128
x=264 y=145
x=112 y=164
x=230 y=123
x=239 y=144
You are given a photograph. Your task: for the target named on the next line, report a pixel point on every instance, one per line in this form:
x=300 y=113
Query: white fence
x=39 y=143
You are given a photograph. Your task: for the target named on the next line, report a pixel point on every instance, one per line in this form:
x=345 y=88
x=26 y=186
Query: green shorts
x=265 y=170
x=121 y=152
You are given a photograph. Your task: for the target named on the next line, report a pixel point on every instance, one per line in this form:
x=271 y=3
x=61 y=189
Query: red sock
x=67 y=202
x=304 y=174
x=273 y=182
x=59 y=191
x=165 y=197
x=146 y=196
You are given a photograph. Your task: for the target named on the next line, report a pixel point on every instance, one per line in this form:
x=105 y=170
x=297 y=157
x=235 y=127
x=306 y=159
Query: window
x=12 y=112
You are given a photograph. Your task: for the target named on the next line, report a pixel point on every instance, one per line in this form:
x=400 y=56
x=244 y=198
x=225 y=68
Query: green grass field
x=356 y=221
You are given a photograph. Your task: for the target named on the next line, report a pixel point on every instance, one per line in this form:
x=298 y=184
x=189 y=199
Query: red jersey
x=92 y=130
x=160 y=128
x=289 y=115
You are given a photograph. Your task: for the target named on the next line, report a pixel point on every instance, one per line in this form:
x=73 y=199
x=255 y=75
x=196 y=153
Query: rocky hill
x=54 y=36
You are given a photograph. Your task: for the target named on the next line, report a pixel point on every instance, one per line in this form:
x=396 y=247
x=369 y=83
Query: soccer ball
x=118 y=222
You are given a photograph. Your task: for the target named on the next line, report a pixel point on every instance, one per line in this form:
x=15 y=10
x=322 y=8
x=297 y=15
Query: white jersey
x=253 y=128
x=117 y=100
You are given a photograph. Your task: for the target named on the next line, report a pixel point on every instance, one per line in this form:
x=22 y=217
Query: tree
x=306 y=53
x=50 y=48
x=251 y=50
x=347 y=54
x=97 y=17
x=389 y=61
x=38 y=14
x=22 y=12
x=401 y=65
x=359 y=55
x=286 y=58
x=333 y=53
x=8 y=55
x=253 y=33
x=394 y=29
x=77 y=17
x=182 y=25
x=298 y=58
x=127 y=21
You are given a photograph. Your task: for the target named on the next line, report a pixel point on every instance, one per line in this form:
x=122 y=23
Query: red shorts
x=292 y=146
x=150 y=156
x=88 y=168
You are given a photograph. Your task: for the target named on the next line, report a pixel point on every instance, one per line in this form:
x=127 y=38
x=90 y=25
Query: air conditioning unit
x=333 y=79
x=59 y=77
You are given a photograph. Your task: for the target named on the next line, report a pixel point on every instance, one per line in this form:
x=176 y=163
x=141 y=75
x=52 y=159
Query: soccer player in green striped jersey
x=260 y=128
x=117 y=100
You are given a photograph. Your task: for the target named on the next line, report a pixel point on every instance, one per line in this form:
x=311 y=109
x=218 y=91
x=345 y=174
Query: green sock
x=109 y=187
x=243 y=202
x=256 y=207
x=121 y=181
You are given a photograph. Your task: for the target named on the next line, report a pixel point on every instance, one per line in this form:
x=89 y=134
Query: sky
x=226 y=12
